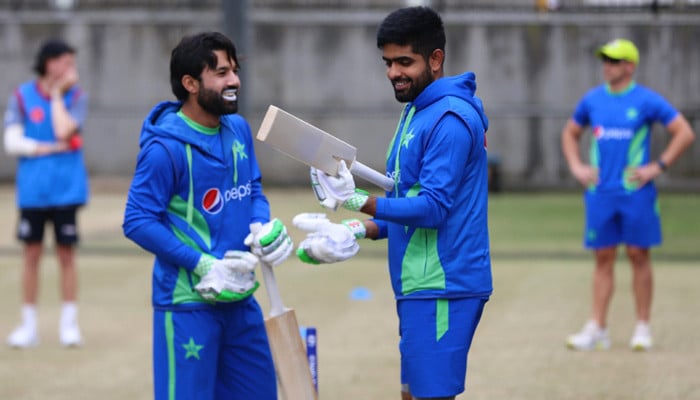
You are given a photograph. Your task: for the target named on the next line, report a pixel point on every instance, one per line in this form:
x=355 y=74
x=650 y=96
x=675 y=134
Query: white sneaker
x=591 y=337
x=23 y=337
x=70 y=336
x=641 y=339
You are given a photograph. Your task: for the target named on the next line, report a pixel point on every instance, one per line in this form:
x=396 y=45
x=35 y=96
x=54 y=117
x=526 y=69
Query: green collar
x=197 y=127
x=622 y=92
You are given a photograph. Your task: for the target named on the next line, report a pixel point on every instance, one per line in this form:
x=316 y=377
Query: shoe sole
x=640 y=348
x=598 y=346
x=23 y=346
x=70 y=345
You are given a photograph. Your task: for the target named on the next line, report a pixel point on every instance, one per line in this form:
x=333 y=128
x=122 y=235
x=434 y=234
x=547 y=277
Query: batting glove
x=271 y=243
x=335 y=191
x=227 y=279
x=327 y=242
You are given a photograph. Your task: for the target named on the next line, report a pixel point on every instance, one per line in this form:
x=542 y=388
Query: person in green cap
x=620 y=197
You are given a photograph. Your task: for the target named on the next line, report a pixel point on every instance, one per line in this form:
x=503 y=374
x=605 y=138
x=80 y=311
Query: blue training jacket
x=195 y=190
x=436 y=218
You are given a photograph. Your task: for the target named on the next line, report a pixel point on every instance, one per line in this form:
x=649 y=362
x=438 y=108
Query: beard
x=213 y=103
x=416 y=87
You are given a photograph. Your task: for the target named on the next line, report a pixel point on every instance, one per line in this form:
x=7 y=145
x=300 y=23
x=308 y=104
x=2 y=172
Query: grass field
x=542 y=285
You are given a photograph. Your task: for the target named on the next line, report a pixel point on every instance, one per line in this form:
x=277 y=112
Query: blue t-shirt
x=621 y=124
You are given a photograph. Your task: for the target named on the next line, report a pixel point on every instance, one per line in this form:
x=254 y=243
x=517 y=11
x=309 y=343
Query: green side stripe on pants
x=442 y=318
x=170 y=340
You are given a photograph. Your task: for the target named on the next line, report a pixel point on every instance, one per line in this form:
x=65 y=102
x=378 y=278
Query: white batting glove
x=227 y=279
x=271 y=243
x=327 y=242
x=335 y=191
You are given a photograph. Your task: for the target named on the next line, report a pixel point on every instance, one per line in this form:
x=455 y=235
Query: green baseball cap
x=619 y=49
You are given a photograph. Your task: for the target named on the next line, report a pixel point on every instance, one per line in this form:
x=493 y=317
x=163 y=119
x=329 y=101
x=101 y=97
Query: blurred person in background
x=42 y=128
x=620 y=198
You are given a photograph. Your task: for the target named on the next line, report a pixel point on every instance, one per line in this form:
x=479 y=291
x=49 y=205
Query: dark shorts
x=33 y=220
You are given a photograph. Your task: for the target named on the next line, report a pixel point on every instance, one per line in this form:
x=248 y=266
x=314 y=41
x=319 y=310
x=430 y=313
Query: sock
x=29 y=315
x=69 y=314
x=643 y=327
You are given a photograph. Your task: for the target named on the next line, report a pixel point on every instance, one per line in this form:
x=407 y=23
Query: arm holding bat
x=270 y=242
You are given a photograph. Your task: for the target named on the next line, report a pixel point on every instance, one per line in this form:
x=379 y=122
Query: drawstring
x=406 y=123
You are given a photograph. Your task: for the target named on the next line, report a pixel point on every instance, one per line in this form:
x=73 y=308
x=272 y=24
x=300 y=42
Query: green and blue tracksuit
x=436 y=222
x=196 y=190
x=616 y=210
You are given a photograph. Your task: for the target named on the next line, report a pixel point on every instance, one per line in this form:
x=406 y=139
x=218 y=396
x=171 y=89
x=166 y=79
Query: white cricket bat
x=314 y=147
x=288 y=352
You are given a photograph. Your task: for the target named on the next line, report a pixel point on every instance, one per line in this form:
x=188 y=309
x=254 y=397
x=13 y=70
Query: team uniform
x=436 y=223
x=196 y=190
x=49 y=187
x=616 y=210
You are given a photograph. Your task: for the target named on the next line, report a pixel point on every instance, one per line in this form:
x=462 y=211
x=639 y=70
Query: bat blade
x=289 y=354
x=313 y=146
x=304 y=142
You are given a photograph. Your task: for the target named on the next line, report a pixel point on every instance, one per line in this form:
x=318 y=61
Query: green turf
x=542 y=282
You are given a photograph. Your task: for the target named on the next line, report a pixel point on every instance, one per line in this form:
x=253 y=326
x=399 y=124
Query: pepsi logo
x=213 y=201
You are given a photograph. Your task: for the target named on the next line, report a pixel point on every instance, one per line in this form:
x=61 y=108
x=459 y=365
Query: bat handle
x=273 y=293
x=371 y=175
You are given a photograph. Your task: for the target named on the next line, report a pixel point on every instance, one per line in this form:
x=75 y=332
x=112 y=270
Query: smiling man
x=435 y=217
x=196 y=189
x=620 y=196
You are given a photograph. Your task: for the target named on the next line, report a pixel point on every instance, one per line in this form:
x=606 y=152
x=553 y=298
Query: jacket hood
x=163 y=122
x=462 y=86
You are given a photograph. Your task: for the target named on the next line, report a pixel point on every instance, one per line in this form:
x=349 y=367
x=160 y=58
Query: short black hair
x=421 y=27
x=52 y=48
x=193 y=54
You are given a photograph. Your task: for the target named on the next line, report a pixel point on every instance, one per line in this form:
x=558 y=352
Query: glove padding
x=271 y=243
x=228 y=279
x=327 y=242
x=335 y=191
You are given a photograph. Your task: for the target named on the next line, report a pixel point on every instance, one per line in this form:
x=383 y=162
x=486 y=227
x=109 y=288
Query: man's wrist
x=662 y=165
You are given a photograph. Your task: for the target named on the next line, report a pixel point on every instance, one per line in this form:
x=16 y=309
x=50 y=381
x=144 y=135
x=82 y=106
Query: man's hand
x=228 y=279
x=327 y=242
x=586 y=175
x=67 y=80
x=271 y=243
x=333 y=192
x=640 y=176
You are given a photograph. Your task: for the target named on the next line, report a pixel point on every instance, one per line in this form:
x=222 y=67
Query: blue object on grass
x=360 y=293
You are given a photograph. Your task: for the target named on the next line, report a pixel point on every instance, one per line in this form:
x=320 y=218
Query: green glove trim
x=357 y=200
x=270 y=237
x=204 y=264
x=229 y=296
x=304 y=257
x=356 y=226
